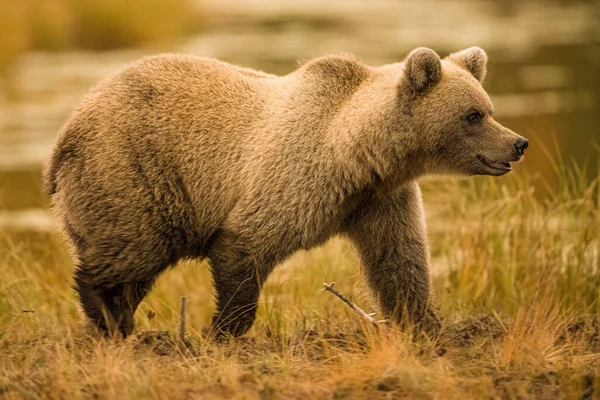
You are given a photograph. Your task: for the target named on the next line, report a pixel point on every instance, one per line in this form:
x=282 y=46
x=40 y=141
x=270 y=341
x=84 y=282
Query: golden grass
x=518 y=279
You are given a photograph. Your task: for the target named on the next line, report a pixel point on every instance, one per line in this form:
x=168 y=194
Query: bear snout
x=520 y=145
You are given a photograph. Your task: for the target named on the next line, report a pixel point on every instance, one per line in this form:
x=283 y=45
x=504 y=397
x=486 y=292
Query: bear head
x=452 y=115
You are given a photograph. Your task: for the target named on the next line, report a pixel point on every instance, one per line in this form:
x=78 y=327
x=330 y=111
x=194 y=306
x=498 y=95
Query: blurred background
x=543 y=74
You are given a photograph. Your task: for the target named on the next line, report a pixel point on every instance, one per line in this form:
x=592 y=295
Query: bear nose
x=521 y=145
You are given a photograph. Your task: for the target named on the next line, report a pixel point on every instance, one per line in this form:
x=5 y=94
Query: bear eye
x=474 y=116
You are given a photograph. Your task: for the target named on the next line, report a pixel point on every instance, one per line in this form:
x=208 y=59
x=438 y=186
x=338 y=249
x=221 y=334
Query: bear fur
x=181 y=157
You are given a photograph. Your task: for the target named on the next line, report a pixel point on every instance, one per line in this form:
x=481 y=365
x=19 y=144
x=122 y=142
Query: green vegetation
x=517 y=280
x=91 y=24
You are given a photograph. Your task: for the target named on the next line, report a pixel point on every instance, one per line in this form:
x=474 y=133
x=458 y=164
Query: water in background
x=543 y=74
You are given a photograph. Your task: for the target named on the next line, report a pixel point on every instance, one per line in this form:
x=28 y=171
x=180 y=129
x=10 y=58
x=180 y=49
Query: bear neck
x=373 y=140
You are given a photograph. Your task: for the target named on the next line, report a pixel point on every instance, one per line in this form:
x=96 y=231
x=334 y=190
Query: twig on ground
x=182 y=319
x=369 y=317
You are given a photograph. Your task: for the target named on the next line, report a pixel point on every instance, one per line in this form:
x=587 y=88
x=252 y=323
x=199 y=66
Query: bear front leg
x=390 y=234
x=238 y=278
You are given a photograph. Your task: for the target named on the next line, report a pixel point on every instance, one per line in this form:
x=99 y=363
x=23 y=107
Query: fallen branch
x=369 y=317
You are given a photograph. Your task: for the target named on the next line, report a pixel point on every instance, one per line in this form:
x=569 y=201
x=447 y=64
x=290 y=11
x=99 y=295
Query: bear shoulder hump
x=336 y=68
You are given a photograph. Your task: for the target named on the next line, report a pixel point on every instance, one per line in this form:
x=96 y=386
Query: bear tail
x=49 y=175
x=63 y=151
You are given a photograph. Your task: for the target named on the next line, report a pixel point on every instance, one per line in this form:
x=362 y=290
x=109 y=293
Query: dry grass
x=518 y=279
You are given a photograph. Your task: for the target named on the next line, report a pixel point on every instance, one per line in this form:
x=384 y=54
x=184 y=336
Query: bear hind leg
x=238 y=278
x=110 y=306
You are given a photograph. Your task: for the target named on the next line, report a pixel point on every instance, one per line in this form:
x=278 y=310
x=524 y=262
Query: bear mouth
x=502 y=166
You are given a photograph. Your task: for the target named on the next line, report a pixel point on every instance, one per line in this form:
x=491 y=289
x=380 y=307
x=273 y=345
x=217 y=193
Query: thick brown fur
x=185 y=157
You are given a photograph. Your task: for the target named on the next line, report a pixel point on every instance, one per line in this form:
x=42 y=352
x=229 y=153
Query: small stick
x=329 y=287
x=182 y=319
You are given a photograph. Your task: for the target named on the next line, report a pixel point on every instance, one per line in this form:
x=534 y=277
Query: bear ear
x=473 y=60
x=422 y=69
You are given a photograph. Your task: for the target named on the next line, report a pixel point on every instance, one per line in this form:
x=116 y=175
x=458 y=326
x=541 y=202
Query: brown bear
x=184 y=157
